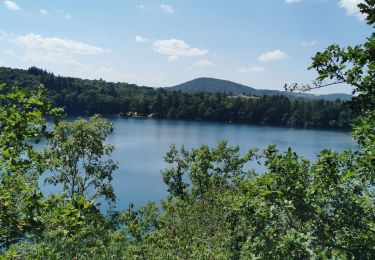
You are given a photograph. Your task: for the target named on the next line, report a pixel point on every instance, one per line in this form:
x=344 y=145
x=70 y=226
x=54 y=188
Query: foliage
x=220 y=167
x=81 y=97
x=196 y=222
x=22 y=122
x=33 y=226
x=78 y=159
x=72 y=230
x=310 y=210
x=296 y=209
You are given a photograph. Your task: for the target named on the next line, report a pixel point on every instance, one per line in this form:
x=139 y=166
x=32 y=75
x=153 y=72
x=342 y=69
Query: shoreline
x=143 y=117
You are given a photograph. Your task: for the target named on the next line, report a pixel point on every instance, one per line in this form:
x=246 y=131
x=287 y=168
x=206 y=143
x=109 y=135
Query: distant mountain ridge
x=213 y=85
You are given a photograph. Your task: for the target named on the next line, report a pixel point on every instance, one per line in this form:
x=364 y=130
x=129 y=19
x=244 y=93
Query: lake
x=142 y=143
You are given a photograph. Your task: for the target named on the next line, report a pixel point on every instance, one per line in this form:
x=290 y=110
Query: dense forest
x=216 y=207
x=81 y=97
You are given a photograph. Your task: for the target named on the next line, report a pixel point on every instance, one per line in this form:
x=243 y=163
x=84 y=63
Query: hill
x=83 y=97
x=212 y=85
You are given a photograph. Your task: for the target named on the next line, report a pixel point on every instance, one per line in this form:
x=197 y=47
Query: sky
x=260 y=43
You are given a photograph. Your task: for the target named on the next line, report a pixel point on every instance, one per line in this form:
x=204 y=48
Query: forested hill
x=213 y=85
x=82 y=97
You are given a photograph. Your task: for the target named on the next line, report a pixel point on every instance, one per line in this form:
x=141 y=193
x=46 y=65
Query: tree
x=23 y=123
x=302 y=209
x=205 y=168
x=199 y=219
x=79 y=159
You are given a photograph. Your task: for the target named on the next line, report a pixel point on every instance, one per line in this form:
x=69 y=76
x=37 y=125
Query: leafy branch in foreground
x=23 y=123
x=354 y=66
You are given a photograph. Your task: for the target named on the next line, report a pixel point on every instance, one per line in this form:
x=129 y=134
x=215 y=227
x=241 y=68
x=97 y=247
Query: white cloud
x=166 y=8
x=351 y=7
x=173 y=58
x=273 y=56
x=57 y=54
x=292 y=1
x=175 y=48
x=140 y=7
x=11 y=53
x=252 y=69
x=67 y=16
x=62 y=56
x=309 y=43
x=43 y=12
x=52 y=58
x=203 y=63
x=12 y=5
x=141 y=39
x=55 y=44
x=4 y=36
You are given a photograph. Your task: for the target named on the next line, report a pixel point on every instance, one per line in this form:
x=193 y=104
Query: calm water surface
x=142 y=143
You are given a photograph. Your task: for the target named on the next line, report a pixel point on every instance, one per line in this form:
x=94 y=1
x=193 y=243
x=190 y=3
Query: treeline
x=269 y=110
x=82 y=97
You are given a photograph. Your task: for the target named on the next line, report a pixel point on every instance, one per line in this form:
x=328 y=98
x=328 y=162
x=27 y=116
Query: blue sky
x=259 y=43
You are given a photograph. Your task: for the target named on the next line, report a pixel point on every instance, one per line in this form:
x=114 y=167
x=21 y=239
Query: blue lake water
x=142 y=143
